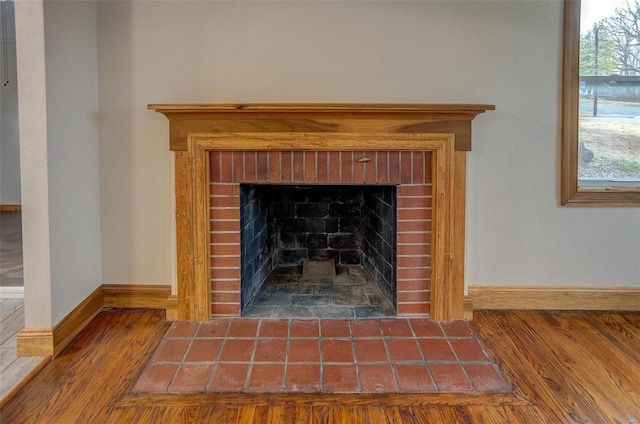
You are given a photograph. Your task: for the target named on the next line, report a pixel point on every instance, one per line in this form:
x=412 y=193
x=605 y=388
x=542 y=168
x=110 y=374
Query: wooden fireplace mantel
x=198 y=129
x=185 y=119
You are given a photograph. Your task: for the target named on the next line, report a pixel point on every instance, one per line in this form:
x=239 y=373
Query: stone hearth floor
x=397 y=355
x=349 y=293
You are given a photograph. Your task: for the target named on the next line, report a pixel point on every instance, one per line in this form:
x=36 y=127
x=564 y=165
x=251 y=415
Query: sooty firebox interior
x=326 y=251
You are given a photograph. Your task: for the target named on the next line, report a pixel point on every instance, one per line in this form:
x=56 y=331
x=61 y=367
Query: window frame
x=570 y=193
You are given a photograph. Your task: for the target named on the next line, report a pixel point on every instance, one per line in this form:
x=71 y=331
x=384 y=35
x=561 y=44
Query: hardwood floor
x=10 y=250
x=566 y=367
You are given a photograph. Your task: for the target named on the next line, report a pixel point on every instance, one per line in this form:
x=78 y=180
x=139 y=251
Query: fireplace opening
x=326 y=251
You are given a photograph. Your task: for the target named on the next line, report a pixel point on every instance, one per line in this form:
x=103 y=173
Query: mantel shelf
x=324 y=108
x=185 y=119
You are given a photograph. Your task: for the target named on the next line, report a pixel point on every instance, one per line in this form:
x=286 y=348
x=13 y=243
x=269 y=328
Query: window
x=601 y=103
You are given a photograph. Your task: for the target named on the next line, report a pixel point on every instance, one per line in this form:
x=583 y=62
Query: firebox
x=326 y=251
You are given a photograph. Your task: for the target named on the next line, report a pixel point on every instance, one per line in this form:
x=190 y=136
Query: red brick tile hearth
x=320 y=356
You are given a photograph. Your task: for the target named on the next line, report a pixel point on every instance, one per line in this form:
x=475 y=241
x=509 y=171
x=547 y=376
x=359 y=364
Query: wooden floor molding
x=10 y=208
x=467 y=305
x=51 y=341
x=555 y=298
x=172 y=307
x=136 y=296
x=565 y=367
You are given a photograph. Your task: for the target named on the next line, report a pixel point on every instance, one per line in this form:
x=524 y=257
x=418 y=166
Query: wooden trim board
x=449 y=174
x=172 y=307
x=35 y=342
x=51 y=341
x=10 y=208
x=467 y=306
x=186 y=119
x=555 y=298
x=136 y=296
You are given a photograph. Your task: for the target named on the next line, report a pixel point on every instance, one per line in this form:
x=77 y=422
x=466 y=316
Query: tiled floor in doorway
x=392 y=355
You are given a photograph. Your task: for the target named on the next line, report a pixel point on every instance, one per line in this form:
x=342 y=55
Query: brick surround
x=409 y=170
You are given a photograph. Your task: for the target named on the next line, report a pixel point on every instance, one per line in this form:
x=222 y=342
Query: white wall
x=58 y=97
x=9 y=139
x=72 y=138
x=503 y=52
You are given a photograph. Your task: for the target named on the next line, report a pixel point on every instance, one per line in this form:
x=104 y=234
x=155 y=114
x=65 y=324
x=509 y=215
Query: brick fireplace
x=408 y=171
x=417 y=150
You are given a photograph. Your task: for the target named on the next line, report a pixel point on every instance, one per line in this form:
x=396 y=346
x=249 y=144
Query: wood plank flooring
x=566 y=367
x=11 y=275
